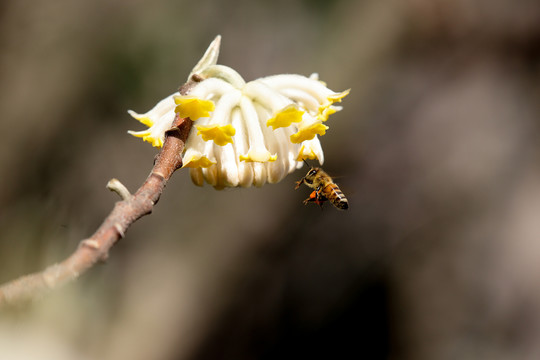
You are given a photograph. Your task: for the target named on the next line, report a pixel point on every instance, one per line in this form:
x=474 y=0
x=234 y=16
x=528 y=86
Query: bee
x=325 y=189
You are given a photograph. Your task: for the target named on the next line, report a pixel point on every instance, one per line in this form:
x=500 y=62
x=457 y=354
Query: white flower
x=244 y=133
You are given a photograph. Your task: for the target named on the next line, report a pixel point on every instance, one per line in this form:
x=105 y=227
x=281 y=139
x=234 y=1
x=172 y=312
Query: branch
x=126 y=212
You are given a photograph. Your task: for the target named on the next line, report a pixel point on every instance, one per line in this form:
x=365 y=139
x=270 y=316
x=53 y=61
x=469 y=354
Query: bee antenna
x=305 y=162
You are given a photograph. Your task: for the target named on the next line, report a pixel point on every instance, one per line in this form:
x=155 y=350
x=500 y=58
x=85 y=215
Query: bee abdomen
x=337 y=198
x=341 y=201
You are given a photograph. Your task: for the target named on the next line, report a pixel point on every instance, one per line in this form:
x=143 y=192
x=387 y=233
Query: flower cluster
x=244 y=133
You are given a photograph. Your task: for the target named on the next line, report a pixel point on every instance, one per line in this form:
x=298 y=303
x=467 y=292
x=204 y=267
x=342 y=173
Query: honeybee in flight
x=325 y=189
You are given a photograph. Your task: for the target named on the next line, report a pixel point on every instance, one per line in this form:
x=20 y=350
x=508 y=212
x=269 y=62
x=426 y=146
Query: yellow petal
x=143 y=119
x=258 y=156
x=222 y=135
x=325 y=112
x=156 y=142
x=309 y=133
x=338 y=96
x=192 y=107
x=146 y=136
x=198 y=161
x=286 y=117
x=302 y=155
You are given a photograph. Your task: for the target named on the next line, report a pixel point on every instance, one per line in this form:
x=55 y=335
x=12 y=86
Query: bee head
x=311 y=175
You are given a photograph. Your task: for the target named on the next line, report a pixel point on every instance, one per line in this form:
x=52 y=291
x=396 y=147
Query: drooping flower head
x=244 y=133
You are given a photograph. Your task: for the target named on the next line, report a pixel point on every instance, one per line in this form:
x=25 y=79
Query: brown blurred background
x=437 y=149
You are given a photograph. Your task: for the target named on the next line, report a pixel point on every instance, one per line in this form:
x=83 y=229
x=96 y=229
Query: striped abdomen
x=335 y=196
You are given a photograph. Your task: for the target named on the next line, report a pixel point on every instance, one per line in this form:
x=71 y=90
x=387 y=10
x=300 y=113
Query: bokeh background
x=437 y=149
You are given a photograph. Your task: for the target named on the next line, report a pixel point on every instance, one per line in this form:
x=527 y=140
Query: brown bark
x=125 y=212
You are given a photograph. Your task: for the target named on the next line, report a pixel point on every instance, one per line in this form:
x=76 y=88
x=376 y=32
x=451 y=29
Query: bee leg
x=298 y=183
x=313 y=197
x=316 y=197
x=320 y=199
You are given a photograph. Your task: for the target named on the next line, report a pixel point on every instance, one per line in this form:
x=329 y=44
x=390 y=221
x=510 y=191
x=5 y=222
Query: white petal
x=313 y=146
x=212 y=86
x=161 y=108
x=259 y=174
x=194 y=141
x=317 y=149
x=277 y=143
x=262 y=94
x=254 y=131
x=307 y=120
x=224 y=106
x=226 y=165
x=291 y=81
x=210 y=173
x=307 y=101
x=245 y=170
x=293 y=149
x=225 y=73
x=209 y=58
x=196 y=176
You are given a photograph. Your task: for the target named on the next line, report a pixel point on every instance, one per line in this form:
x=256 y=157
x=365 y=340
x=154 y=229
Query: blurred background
x=437 y=150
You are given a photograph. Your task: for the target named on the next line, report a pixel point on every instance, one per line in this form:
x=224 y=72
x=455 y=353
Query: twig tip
x=119 y=188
